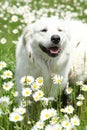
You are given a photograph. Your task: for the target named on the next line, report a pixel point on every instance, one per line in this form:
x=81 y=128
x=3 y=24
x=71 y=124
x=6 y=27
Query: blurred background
x=16 y=14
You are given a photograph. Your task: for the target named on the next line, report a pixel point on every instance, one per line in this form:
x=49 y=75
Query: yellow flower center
x=58 y=80
x=16 y=117
x=6 y=86
x=40 y=80
x=47 y=115
x=27 y=92
x=75 y=122
x=40 y=125
x=67 y=124
x=69 y=109
x=8 y=74
x=35 y=86
x=28 y=80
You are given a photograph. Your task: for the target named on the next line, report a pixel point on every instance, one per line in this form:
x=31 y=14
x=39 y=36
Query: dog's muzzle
x=54 y=49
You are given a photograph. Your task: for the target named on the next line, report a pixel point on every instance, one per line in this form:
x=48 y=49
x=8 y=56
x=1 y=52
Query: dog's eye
x=44 y=30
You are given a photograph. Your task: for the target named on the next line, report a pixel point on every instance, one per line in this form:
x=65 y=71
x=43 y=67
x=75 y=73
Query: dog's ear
x=27 y=32
x=27 y=38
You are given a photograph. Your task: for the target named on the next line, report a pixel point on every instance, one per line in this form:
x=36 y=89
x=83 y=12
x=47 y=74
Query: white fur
x=31 y=60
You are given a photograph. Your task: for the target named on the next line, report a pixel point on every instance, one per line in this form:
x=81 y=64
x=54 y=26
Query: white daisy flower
x=79 y=103
x=7 y=74
x=57 y=127
x=54 y=120
x=57 y=79
x=26 y=92
x=75 y=121
x=79 y=83
x=84 y=87
x=39 y=81
x=45 y=114
x=80 y=97
x=20 y=110
x=27 y=80
x=53 y=112
x=15 y=117
x=15 y=31
x=7 y=85
x=14 y=18
x=62 y=110
x=66 y=124
x=69 y=90
x=5 y=100
x=2 y=65
x=3 y=40
x=38 y=95
x=49 y=127
x=40 y=124
x=35 y=86
x=15 y=94
x=69 y=109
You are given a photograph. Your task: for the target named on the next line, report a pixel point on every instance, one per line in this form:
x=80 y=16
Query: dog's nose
x=55 y=39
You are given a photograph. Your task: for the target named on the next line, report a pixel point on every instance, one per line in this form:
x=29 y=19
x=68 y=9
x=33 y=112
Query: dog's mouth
x=51 y=51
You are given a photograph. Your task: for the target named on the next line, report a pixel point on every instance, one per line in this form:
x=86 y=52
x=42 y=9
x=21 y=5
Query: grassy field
x=14 y=16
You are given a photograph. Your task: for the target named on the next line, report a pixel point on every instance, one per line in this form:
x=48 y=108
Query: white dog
x=52 y=46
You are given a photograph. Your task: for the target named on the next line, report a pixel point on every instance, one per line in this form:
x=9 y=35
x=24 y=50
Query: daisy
x=54 y=120
x=7 y=85
x=39 y=81
x=2 y=65
x=40 y=124
x=53 y=112
x=15 y=117
x=62 y=110
x=26 y=92
x=84 y=87
x=66 y=124
x=36 y=97
x=15 y=94
x=57 y=127
x=45 y=114
x=15 y=31
x=14 y=18
x=40 y=93
x=69 y=90
x=35 y=86
x=20 y=110
x=3 y=40
x=27 y=80
x=75 y=121
x=80 y=97
x=5 y=100
x=79 y=83
x=57 y=79
x=79 y=103
x=7 y=74
x=69 y=109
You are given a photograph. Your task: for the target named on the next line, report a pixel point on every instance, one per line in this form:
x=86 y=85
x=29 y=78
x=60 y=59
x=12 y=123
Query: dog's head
x=47 y=36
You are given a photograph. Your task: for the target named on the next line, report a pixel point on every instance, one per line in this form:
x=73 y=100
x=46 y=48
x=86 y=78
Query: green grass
x=60 y=8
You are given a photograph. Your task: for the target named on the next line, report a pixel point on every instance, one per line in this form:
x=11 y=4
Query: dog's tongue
x=54 y=50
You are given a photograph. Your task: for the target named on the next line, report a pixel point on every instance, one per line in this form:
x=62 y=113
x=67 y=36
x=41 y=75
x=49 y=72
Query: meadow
x=14 y=16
